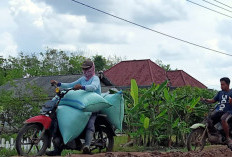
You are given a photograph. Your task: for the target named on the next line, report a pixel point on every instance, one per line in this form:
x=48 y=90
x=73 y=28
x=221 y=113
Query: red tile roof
x=146 y=72
x=179 y=78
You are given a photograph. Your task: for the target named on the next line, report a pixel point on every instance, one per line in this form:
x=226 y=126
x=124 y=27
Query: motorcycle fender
x=44 y=120
x=198 y=125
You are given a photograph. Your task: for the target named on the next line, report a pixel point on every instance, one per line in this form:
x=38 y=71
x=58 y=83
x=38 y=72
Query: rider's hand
x=54 y=82
x=230 y=100
x=202 y=99
x=77 y=87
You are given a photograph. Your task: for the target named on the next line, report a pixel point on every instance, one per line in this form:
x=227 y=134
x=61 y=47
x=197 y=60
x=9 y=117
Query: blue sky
x=30 y=26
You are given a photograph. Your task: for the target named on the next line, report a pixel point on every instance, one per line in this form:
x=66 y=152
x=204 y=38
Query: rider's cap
x=87 y=64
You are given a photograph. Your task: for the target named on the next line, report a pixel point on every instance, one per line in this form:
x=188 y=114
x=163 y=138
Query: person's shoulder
x=81 y=78
x=219 y=93
x=230 y=91
x=96 y=77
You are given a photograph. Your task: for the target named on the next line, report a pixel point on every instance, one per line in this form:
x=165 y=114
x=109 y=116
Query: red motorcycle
x=36 y=136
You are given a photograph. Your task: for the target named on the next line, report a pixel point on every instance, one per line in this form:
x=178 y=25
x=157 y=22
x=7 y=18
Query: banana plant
x=157 y=114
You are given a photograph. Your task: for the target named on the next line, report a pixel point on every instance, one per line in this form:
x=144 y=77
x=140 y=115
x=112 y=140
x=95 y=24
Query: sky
x=32 y=26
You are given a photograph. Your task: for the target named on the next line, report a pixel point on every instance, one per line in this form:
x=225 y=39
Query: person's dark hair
x=226 y=80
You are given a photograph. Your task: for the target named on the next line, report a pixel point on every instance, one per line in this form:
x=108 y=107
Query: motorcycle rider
x=88 y=82
x=223 y=111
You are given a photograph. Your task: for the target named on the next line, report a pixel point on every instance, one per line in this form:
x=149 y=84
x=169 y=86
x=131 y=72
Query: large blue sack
x=115 y=113
x=71 y=122
x=85 y=101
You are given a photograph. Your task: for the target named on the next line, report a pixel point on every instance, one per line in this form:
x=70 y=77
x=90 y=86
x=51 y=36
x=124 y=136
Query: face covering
x=89 y=73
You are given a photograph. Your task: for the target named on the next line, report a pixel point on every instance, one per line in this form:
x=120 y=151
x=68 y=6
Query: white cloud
x=153 y=12
x=146 y=11
x=17 y=7
x=7 y=45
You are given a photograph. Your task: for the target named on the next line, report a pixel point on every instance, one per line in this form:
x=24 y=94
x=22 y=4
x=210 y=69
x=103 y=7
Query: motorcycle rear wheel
x=103 y=140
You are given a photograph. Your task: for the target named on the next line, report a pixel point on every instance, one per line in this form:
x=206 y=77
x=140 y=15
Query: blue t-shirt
x=222 y=98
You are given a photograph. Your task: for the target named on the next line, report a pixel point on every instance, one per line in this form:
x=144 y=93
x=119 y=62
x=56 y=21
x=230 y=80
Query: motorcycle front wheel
x=29 y=142
x=196 y=141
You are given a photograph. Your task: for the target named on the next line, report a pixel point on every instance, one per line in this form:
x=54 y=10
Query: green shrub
x=160 y=116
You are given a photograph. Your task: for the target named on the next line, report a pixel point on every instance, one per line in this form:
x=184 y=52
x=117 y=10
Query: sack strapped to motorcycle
x=85 y=101
x=115 y=114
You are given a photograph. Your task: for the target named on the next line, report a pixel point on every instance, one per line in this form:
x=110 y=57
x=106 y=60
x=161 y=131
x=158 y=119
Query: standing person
x=88 y=82
x=223 y=110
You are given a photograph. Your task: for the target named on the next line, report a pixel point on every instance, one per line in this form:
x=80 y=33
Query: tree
x=19 y=104
x=31 y=65
x=75 y=62
x=100 y=62
x=51 y=62
x=13 y=68
x=2 y=71
x=54 y=62
x=113 y=60
x=162 y=65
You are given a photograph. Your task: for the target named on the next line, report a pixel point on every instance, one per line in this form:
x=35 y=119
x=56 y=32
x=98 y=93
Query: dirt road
x=212 y=151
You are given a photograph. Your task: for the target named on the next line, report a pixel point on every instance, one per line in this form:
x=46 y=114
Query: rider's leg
x=88 y=137
x=225 y=125
x=57 y=140
x=89 y=132
x=214 y=118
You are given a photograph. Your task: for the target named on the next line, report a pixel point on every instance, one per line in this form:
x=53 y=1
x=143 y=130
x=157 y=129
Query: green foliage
x=164 y=66
x=20 y=104
x=134 y=91
x=159 y=114
x=54 y=62
x=8 y=136
x=146 y=123
x=51 y=62
x=100 y=62
x=75 y=62
x=7 y=152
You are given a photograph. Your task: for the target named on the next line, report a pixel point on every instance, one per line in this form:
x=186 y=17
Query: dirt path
x=212 y=151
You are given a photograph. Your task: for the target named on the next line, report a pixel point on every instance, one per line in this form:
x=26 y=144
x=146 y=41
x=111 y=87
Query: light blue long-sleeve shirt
x=92 y=85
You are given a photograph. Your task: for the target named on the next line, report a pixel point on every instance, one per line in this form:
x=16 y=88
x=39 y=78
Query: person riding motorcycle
x=223 y=111
x=88 y=82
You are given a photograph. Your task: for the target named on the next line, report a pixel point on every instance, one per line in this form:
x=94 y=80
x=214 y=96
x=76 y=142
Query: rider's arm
x=69 y=85
x=215 y=99
x=210 y=100
x=93 y=86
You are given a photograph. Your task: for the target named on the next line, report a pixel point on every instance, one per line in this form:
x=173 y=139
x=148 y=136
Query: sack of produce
x=85 y=101
x=115 y=113
x=71 y=122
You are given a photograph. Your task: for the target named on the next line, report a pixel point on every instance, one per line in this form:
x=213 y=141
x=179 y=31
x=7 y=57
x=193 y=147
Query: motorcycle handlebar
x=62 y=92
x=54 y=84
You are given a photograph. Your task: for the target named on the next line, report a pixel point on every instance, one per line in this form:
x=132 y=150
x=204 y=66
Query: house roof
x=179 y=78
x=145 y=72
x=44 y=82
